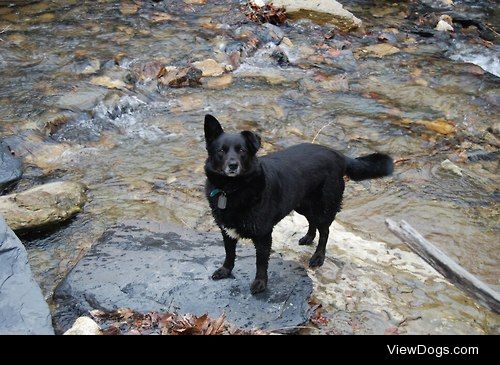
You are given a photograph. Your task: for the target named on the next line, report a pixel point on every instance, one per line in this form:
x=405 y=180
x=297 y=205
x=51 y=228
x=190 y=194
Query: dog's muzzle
x=232 y=169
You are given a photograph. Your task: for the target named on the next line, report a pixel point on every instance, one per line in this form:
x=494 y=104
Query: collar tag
x=222 y=201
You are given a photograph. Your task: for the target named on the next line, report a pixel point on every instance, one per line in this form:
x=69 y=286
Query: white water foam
x=485 y=58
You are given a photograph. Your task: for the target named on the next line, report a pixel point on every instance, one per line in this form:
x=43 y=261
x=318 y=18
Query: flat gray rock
x=10 y=167
x=23 y=309
x=159 y=267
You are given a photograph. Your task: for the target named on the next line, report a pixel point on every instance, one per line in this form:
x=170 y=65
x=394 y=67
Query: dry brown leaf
x=441 y=126
x=219 y=323
x=266 y=14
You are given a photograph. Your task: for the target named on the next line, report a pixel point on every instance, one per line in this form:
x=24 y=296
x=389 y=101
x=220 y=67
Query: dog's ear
x=253 y=141
x=213 y=129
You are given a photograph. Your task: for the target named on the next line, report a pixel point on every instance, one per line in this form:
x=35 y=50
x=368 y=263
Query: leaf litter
x=125 y=321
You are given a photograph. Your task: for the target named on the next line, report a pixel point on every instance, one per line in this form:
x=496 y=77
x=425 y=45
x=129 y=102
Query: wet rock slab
x=10 y=167
x=159 y=267
x=23 y=310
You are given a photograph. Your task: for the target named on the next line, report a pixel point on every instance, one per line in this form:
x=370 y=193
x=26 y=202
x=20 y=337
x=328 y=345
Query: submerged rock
x=444 y=24
x=478 y=155
x=84 y=326
x=219 y=82
x=187 y=76
x=149 y=266
x=10 y=167
x=108 y=82
x=450 y=166
x=43 y=205
x=380 y=50
x=80 y=100
x=146 y=71
x=23 y=310
x=209 y=67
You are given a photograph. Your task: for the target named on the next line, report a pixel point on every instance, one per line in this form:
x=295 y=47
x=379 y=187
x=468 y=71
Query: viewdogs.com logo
x=437 y=351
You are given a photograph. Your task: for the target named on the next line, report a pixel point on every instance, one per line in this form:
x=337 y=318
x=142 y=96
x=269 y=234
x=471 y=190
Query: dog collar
x=216 y=192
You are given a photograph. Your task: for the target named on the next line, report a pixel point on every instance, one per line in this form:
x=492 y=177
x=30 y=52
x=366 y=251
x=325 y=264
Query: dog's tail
x=369 y=167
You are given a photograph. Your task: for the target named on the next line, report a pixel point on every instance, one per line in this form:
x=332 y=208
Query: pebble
x=450 y=166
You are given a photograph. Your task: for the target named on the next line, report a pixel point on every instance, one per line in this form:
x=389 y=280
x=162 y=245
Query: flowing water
x=140 y=149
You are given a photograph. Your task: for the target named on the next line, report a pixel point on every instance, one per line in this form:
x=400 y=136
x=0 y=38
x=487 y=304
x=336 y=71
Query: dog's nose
x=232 y=166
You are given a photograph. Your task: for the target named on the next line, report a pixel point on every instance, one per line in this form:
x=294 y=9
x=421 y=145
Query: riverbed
x=79 y=101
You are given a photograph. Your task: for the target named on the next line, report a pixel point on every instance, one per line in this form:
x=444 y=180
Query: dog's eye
x=241 y=149
x=221 y=150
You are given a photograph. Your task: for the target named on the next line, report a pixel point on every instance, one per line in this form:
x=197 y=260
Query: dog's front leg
x=230 y=246
x=263 y=249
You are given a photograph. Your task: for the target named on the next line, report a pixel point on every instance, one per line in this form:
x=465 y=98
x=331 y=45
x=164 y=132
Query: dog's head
x=229 y=154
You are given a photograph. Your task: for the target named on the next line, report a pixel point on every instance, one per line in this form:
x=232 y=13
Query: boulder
x=148 y=266
x=84 y=326
x=330 y=8
x=23 y=309
x=10 y=167
x=43 y=205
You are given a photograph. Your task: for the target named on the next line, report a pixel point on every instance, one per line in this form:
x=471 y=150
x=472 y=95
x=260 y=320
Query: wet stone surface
x=158 y=267
x=23 y=310
x=10 y=167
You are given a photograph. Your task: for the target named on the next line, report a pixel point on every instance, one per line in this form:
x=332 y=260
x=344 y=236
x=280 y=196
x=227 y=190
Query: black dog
x=249 y=195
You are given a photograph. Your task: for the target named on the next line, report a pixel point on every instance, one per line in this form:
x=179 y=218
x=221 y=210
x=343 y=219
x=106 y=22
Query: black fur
x=307 y=178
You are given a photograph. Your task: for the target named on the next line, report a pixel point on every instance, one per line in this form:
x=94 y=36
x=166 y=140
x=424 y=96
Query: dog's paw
x=317 y=260
x=221 y=273
x=258 y=286
x=306 y=240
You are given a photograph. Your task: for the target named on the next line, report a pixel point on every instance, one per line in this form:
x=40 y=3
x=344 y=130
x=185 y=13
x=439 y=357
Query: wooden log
x=451 y=270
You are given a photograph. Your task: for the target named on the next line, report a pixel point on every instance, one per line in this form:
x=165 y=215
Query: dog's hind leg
x=318 y=257
x=328 y=207
x=309 y=237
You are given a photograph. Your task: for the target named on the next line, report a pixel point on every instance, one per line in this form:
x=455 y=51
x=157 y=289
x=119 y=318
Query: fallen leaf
x=96 y=313
x=441 y=126
x=266 y=13
x=111 y=331
x=125 y=313
x=133 y=332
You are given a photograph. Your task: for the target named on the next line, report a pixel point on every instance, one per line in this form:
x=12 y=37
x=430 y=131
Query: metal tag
x=221 y=202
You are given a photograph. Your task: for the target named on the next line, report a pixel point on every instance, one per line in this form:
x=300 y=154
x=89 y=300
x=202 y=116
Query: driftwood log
x=451 y=270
